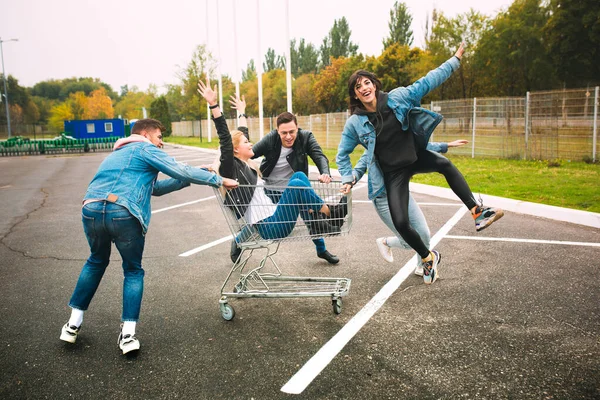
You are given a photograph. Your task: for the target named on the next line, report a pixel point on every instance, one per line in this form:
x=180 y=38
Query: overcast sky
x=139 y=42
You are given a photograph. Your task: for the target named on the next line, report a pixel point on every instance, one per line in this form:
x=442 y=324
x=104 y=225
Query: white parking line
x=493 y=239
x=323 y=357
x=206 y=246
x=182 y=204
x=421 y=204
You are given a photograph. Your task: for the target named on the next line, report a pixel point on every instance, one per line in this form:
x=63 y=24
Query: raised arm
x=226 y=145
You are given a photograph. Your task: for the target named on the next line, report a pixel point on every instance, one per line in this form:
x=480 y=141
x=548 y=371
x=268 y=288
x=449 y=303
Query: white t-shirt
x=261 y=206
x=282 y=171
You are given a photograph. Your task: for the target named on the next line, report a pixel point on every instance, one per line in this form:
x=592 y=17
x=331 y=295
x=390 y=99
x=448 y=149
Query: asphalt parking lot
x=514 y=315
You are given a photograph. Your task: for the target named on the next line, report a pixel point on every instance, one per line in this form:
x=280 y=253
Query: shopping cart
x=265 y=278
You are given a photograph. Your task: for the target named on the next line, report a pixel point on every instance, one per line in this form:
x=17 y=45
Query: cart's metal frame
x=265 y=280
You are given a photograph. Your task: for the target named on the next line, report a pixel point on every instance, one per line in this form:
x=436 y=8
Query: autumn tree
x=274 y=92
x=399 y=25
x=58 y=115
x=303 y=100
x=337 y=43
x=331 y=85
x=99 y=105
x=131 y=104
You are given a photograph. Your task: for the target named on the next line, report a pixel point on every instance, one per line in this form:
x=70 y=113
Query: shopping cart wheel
x=227 y=312
x=337 y=305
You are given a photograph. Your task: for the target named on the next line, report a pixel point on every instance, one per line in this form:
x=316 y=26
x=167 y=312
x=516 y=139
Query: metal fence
x=542 y=125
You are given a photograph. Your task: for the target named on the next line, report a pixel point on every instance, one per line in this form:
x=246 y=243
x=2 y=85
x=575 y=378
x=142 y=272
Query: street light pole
x=4 y=79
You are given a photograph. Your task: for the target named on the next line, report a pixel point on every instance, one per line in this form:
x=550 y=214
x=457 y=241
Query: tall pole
x=595 y=133
x=219 y=65
x=208 y=123
x=4 y=78
x=288 y=57
x=235 y=58
x=261 y=123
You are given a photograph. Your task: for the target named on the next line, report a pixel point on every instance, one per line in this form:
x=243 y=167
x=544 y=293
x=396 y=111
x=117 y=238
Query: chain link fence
x=546 y=125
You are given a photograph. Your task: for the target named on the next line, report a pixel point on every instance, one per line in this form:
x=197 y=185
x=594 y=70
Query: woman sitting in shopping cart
x=272 y=221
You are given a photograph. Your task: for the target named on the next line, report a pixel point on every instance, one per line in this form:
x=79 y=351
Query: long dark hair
x=361 y=73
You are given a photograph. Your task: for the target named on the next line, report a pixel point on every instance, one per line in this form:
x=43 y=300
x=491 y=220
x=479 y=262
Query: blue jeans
x=276 y=196
x=415 y=216
x=295 y=200
x=104 y=223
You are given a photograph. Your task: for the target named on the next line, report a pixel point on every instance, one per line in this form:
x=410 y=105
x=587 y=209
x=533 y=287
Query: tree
x=304 y=98
x=331 y=85
x=99 y=105
x=58 y=115
x=274 y=92
x=573 y=37
x=26 y=112
x=395 y=66
x=446 y=36
x=188 y=102
x=400 y=21
x=159 y=109
x=78 y=102
x=250 y=73
x=130 y=106
x=512 y=55
x=273 y=61
x=305 y=58
x=337 y=43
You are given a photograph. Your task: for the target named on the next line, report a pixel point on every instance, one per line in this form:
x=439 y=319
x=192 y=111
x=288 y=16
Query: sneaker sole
x=130 y=347
x=491 y=220
x=66 y=337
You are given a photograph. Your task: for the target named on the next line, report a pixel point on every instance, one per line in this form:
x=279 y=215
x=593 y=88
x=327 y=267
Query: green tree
x=25 y=110
x=400 y=21
x=512 y=55
x=304 y=98
x=331 y=85
x=446 y=36
x=273 y=61
x=305 y=58
x=395 y=66
x=159 y=109
x=274 y=92
x=188 y=102
x=250 y=73
x=573 y=37
x=337 y=43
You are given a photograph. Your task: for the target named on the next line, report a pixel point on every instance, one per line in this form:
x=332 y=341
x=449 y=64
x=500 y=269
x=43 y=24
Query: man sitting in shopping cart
x=285 y=150
x=271 y=220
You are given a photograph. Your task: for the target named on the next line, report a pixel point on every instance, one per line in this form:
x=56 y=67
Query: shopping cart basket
x=265 y=278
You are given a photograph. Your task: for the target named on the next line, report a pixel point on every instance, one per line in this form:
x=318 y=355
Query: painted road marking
x=182 y=204
x=323 y=357
x=206 y=246
x=493 y=239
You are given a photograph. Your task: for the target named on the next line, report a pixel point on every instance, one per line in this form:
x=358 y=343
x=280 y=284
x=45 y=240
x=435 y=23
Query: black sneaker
x=330 y=258
x=235 y=251
x=338 y=212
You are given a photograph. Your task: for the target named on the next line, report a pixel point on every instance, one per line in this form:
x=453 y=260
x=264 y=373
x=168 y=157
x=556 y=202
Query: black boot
x=330 y=258
x=235 y=251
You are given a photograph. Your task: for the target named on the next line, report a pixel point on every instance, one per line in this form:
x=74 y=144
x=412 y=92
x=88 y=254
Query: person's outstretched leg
x=429 y=161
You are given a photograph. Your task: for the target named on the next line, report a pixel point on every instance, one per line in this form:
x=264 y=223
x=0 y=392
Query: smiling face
x=365 y=91
x=242 y=147
x=288 y=132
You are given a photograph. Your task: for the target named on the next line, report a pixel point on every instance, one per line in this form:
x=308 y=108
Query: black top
x=394 y=148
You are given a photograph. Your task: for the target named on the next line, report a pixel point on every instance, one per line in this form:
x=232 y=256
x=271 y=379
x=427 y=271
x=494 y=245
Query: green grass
x=570 y=184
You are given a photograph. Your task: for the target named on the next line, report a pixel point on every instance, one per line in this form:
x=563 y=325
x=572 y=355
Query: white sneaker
x=128 y=343
x=69 y=333
x=419 y=270
x=385 y=250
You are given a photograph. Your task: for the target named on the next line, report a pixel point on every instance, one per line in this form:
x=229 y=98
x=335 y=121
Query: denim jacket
x=405 y=102
x=128 y=177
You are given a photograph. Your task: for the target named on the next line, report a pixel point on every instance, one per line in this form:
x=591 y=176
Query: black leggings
x=396 y=185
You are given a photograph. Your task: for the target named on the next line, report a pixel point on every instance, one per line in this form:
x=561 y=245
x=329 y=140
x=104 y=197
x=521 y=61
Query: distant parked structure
x=97 y=128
